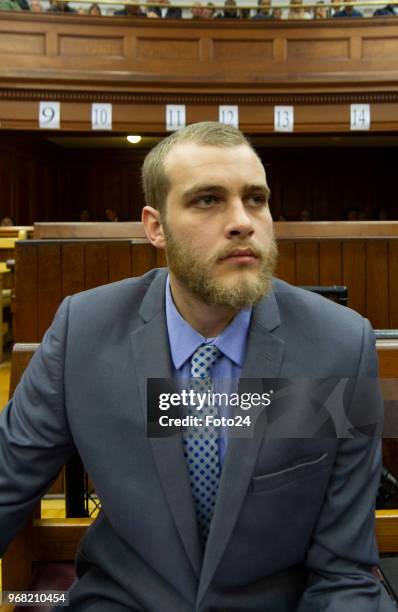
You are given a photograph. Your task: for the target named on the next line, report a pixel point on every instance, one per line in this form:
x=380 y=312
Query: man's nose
x=239 y=221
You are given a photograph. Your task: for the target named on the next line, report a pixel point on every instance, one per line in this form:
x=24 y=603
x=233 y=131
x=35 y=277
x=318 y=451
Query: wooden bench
x=53 y=540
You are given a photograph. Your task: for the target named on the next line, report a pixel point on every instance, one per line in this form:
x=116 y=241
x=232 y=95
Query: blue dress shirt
x=232 y=342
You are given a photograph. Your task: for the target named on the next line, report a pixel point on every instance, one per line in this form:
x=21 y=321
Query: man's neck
x=207 y=320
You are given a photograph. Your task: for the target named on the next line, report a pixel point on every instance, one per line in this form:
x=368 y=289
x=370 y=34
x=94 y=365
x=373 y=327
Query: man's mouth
x=243 y=256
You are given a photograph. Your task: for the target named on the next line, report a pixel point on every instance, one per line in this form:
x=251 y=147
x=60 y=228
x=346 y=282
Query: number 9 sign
x=49 y=115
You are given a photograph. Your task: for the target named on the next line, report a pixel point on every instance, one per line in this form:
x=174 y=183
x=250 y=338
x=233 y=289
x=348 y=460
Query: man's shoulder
x=308 y=308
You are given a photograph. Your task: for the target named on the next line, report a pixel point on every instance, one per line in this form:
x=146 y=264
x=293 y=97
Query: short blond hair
x=155 y=181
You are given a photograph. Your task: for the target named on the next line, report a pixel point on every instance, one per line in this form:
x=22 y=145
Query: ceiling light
x=134 y=139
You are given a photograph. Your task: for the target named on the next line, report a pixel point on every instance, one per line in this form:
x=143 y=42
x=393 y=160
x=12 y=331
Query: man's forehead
x=192 y=153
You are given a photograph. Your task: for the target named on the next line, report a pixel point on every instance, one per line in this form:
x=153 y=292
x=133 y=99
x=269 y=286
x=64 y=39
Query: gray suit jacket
x=293 y=528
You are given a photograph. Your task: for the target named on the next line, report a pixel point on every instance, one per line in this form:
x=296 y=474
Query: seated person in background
x=208 y=11
x=264 y=10
x=277 y=13
x=35 y=6
x=244 y=13
x=131 y=10
x=57 y=6
x=320 y=12
x=9 y=5
x=305 y=215
x=352 y=214
x=94 y=9
x=165 y=11
x=297 y=10
x=84 y=214
x=348 y=11
x=111 y=215
x=7 y=221
x=196 y=10
x=386 y=11
x=230 y=11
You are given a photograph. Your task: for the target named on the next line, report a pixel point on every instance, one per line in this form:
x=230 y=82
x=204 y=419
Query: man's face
x=217 y=224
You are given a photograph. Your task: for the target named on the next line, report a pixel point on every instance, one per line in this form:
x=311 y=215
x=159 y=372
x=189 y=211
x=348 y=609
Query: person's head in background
x=305 y=215
x=208 y=11
x=230 y=10
x=277 y=13
x=207 y=206
x=84 y=215
x=35 y=6
x=352 y=214
x=6 y=221
x=264 y=7
x=111 y=214
x=94 y=9
x=196 y=10
x=320 y=11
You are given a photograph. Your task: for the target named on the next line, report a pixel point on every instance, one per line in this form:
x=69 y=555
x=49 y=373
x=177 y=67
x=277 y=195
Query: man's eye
x=205 y=201
x=257 y=200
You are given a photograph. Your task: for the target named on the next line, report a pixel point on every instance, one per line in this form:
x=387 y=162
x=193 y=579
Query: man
x=264 y=10
x=165 y=11
x=348 y=11
x=288 y=524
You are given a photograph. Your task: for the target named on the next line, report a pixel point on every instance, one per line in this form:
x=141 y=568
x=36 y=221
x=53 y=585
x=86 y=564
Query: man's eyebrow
x=261 y=188
x=203 y=187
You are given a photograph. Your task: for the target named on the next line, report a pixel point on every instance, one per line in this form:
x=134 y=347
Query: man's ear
x=153 y=227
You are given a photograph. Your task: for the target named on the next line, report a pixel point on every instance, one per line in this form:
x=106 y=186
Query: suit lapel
x=263 y=360
x=151 y=356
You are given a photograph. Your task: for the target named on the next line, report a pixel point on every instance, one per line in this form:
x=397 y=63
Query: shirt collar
x=184 y=340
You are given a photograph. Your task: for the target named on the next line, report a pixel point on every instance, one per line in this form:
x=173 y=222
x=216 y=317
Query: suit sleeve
x=343 y=547
x=35 y=440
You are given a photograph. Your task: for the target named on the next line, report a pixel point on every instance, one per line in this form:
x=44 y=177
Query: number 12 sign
x=49 y=115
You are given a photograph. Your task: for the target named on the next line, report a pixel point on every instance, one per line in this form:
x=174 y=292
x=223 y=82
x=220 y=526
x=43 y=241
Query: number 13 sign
x=283 y=118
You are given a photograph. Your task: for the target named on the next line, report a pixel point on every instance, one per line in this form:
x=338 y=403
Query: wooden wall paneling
x=330 y=262
x=307 y=263
x=96 y=264
x=119 y=261
x=72 y=268
x=142 y=257
x=354 y=273
x=376 y=275
x=26 y=291
x=393 y=283
x=49 y=284
x=286 y=266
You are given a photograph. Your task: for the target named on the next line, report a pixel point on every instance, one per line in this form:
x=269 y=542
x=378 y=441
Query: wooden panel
x=26 y=303
x=96 y=264
x=119 y=262
x=142 y=258
x=58 y=539
x=167 y=49
x=379 y=48
x=72 y=269
x=307 y=263
x=89 y=230
x=387 y=530
x=330 y=263
x=315 y=49
x=376 y=274
x=286 y=267
x=22 y=43
x=96 y=46
x=226 y=50
x=354 y=274
x=336 y=229
x=49 y=284
x=393 y=283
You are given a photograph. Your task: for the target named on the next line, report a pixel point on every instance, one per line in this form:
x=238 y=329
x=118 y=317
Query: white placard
x=175 y=117
x=360 y=116
x=283 y=118
x=229 y=115
x=49 y=115
x=101 y=116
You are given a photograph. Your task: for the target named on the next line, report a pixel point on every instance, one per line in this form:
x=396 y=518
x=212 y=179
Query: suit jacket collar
x=152 y=359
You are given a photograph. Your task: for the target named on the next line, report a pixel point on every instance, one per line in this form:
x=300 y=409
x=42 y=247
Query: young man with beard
x=278 y=521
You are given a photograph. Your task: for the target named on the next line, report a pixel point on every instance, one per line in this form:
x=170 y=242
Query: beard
x=198 y=276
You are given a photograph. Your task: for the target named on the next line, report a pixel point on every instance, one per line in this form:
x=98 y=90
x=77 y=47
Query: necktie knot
x=203 y=360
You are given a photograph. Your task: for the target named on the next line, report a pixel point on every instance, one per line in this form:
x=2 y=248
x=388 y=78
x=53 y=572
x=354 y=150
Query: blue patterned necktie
x=201 y=443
